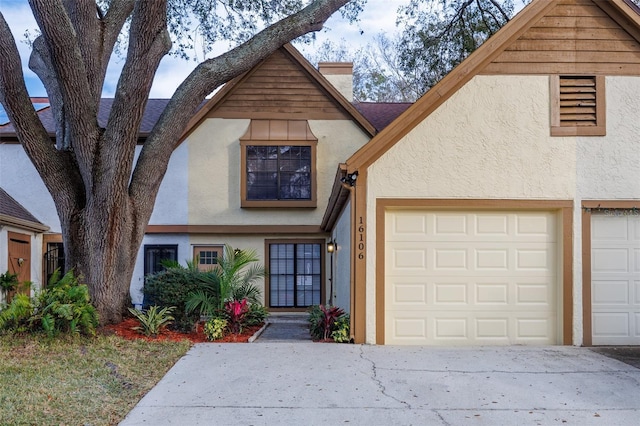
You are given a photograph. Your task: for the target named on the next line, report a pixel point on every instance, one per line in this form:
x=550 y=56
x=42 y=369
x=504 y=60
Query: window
x=207 y=256
x=278 y=172
x=278 y=164
x=295 y=274
x=154 y=254
x=577 y=105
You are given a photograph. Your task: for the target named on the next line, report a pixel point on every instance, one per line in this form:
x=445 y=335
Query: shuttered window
x=577 y=106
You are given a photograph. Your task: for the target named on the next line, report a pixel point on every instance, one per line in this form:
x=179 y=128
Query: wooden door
x=20 y=260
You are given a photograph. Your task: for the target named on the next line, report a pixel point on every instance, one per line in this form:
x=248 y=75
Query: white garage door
x=462 y=278
x=615 y=280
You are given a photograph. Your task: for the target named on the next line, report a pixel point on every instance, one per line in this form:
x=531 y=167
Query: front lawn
x=78 y=381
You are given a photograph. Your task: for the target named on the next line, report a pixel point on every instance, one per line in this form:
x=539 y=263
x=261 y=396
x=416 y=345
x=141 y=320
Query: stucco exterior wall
x=490 y=140
x=171 y=206
x=609 y=167
x=20 y=179
x=214 y=173
x=342 y=260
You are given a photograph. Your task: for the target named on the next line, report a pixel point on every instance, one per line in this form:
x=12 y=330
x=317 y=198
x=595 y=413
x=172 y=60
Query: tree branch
x=207 y=77
x=60 y=48
x=149 y=42
x=53 y=166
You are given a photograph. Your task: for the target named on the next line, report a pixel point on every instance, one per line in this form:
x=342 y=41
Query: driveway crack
x=378 y=382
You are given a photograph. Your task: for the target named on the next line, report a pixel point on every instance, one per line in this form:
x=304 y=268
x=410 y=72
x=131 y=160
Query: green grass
x=78 y=381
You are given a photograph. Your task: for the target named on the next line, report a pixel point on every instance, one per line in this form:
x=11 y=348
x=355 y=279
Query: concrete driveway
x=304 y=383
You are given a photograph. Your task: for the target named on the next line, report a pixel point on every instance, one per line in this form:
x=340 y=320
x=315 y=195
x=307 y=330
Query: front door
x=295 y=274
x=20 y=260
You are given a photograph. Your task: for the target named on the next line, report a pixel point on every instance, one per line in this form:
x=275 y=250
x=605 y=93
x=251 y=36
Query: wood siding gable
x=575 y=37
x=285 y=86
x=279 y=89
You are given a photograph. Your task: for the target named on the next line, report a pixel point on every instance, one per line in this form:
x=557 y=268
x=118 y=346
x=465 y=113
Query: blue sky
x=378 y=16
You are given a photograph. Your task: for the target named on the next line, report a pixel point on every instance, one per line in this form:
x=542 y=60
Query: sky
x=377 y=16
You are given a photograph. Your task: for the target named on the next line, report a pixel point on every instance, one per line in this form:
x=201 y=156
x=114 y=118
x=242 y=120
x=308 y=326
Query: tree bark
x=103 y=200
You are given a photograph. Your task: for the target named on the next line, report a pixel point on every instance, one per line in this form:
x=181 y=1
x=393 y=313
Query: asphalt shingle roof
x=379 y=114
x=10 y=207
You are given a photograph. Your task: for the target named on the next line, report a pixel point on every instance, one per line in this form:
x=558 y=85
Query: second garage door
x=615 y=279
x=471 y=278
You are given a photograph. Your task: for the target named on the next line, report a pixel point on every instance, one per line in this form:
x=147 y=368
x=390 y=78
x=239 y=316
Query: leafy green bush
x=324 y=321
x=215 y=328
x=341 y=329
x=15 y=317
x=153 y=320
x=172 y=288
x=63 y=307
x=256 y=315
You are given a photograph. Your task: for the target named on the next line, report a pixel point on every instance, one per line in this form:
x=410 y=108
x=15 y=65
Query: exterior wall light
x=331 y=246
x=350 y=178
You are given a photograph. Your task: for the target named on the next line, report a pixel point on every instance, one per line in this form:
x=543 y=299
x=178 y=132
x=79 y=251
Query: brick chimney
x=340 y=75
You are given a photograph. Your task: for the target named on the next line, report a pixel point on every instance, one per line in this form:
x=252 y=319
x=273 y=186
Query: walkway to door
x=288 y=327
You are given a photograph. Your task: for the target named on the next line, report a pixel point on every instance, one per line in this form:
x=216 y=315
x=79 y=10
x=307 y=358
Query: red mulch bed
x=126 y=330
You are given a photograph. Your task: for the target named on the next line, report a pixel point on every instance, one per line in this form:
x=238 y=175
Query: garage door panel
x=607 y=260
x=470 y=227
x=610 y=292
x=464 y=328
x=615 y=279
x=609 y=228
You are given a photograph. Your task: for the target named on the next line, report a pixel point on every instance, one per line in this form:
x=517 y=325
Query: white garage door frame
x=563 y=209
x=588 y=208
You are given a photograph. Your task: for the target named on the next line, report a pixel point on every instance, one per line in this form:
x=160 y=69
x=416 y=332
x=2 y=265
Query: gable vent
x=578 y=101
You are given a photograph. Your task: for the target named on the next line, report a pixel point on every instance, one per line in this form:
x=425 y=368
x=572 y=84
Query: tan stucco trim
x=587 y=205
x=563 y=207
x=233 y=229
x=442 y=91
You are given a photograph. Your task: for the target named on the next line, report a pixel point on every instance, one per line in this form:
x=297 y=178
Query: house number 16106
x=360 y=238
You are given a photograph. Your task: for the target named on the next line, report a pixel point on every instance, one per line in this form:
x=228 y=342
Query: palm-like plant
x=235 y=278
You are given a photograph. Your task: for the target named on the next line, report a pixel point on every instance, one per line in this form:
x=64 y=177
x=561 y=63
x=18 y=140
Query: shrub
x=324 y=321
x=152 y=321
x=341 y=329
x=63 y=307
x=215 y=328
x=15 y=317
x=256 y=315
x=172 y=288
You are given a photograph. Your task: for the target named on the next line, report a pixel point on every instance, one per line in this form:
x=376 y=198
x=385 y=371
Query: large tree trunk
x=101 y=245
